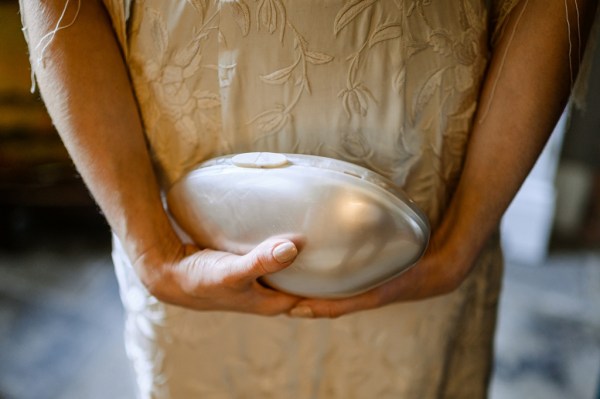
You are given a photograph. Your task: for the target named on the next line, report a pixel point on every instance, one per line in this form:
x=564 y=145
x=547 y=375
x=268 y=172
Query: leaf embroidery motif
x=241 y=15
x=400 y=80
x=428 y=90
x=188 y=55
x=409 y=142
x=464 y=77
x=355 y=99
x=441 y=42
x=281 y=75
x=158 y=31
x=200 y=6
x=317 y=58
x=357 y=146
x=207 y=100
x=349 y=12
x=271 y=120
x=472 y=18
x=385 y=32
x=418 y=5
x=274 y=119
x=356 y=95
x=268 y=14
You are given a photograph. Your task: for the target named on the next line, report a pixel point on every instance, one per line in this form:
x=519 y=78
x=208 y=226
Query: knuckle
x=219 y=270
x=262 y=264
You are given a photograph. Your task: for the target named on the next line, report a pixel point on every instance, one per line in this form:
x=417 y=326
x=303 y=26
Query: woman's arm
x=85 y=85
x=524 y=93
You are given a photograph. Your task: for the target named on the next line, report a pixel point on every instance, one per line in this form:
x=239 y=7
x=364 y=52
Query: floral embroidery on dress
x=241 y=14
x=270 y=13
x=377 y=29
x=350 y=11
x=162 y=81
x=356 y=95
x=388 y=84
x=201 y=7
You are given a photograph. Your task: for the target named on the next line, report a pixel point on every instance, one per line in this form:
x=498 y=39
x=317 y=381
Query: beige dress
x=391 y=85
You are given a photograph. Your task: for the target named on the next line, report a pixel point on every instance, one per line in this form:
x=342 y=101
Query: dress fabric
x=389 y=85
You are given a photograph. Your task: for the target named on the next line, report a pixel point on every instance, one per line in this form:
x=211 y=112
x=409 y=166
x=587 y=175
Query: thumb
x=268 y=257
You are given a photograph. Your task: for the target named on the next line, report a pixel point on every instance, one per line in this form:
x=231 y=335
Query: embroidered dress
x=389 y=85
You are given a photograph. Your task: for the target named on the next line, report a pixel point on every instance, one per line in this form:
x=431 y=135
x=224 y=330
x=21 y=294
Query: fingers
x=404 y=287
x=215 y=280
x=268 y=257
x=318 y=308
x=268 y=302
x=332 y=308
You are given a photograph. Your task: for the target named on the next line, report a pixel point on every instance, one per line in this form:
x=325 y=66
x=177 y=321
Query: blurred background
x=60 y=315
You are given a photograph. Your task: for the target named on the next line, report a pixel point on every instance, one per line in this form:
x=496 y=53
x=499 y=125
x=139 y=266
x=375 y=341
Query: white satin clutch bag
x=355 y=230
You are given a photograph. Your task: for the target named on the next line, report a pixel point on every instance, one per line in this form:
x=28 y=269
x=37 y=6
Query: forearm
x=86 y=88
x=85 y=85
x=524 y=94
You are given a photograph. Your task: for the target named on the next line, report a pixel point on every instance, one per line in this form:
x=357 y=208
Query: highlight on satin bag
x=354 y=228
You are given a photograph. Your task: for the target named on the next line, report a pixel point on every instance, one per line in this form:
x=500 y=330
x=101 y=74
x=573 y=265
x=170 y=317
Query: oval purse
x=353 y=227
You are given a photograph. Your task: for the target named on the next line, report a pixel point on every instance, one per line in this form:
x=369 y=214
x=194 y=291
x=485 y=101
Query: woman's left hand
x=437 y=273
x=523 y=94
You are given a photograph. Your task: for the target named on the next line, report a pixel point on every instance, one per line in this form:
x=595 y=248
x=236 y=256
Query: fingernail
x=285 y=252
x=302 y=311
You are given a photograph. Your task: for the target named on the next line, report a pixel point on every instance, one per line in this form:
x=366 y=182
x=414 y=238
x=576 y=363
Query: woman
x=451 y=100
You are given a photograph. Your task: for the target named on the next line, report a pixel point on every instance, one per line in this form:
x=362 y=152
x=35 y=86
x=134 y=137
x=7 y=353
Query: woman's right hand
x=101 y=128
x=205 y=279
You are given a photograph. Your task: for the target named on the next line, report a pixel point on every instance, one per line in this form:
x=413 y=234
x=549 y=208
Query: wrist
x=151 y=245
x=456 y=246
